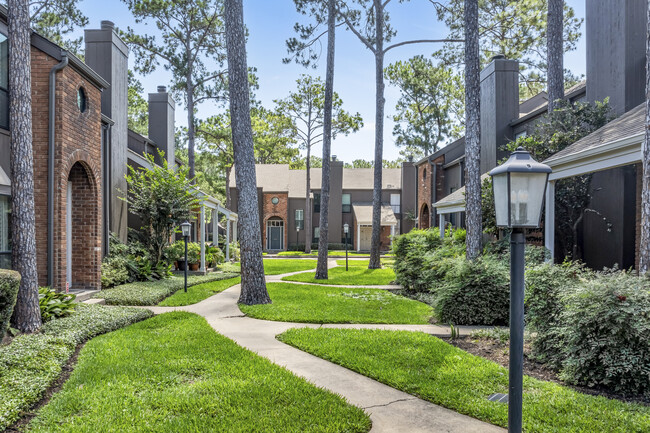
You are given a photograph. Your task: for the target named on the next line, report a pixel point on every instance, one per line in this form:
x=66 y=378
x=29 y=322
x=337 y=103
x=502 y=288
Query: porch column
x=228 y=239
x=441 y=219
x=392 y=234
x=358 y=237
x=202 y=237
x=549 y=220
x=215 y=227
x=234 y=230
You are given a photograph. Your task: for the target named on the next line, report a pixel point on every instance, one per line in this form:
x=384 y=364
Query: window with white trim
x=346 y=203
x=395 y=203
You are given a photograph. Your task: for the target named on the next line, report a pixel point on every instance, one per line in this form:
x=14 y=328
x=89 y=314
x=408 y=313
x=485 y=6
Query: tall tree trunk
x=473 y=131
x=308 y=215
x=253 y=285
x=644 y=245
x=321 y=267
x=190 y=125
x=555 y=52
x=27 y=313
x=375 y=261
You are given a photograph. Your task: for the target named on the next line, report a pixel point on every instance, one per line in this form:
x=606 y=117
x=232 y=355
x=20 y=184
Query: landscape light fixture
x=346 y=230
x=185 y=229
x=519 y=186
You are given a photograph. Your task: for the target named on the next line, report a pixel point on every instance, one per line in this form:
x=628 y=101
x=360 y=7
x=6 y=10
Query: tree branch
x=421 y=41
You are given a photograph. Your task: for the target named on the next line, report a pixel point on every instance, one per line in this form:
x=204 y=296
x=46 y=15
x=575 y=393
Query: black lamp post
x=185 y=228
x=297 y=235
x=519 y=186
x=346 y=230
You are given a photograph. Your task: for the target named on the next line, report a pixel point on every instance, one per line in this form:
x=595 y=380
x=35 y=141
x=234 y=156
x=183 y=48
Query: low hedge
x=32 y=362
x=152 y=292
x=9 y=284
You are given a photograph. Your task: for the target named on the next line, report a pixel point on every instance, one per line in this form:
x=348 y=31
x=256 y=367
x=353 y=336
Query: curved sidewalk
x=390 y=410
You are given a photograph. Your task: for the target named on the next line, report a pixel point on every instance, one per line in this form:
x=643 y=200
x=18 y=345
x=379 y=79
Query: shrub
x=135 y=259
x=9 y=284
x=606 y=324
x=114 y=272
x=193 y=252
x=175 y=252
x=214 y=256
x=545 y=285
x=53 y=304
x=474 y=292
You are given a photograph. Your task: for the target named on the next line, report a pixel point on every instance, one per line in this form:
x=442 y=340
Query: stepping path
x=390 y=410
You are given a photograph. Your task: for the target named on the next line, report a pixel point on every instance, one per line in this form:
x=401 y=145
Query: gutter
x=50 y=166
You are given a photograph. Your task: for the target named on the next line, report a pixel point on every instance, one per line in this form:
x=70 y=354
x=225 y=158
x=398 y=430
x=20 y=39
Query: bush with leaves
x=9 y=284
x=114 y=272
x=54 y=304
x=162 y=198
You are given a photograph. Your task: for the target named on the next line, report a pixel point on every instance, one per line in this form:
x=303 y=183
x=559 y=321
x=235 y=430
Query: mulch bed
x=499 y=352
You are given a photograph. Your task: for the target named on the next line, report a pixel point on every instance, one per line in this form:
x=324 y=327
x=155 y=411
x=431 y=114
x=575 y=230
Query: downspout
x=50 y=166
x=434 y=178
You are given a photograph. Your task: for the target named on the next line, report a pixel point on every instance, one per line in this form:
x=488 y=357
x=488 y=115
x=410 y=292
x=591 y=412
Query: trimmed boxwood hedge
x=9 y=284
x=146 y=293
x=32 y=362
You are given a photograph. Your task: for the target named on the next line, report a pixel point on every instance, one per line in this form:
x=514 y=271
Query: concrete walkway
x=390 y=410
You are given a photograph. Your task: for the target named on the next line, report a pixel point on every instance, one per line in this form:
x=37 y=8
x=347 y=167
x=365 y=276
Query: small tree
x=162 y=198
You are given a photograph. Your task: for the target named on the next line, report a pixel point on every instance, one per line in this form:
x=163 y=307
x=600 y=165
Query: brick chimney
x=615 y=31
x=499 y=107
x=161 y=122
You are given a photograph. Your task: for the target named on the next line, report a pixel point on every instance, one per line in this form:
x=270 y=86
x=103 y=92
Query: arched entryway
x=82 y=231
x=275 y=234
x=425 y=218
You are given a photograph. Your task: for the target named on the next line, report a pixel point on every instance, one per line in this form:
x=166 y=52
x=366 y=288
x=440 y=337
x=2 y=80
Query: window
x=81 y=99
x=316 y=234
x=4 y=82
x=521 y=134
x=395 y=203
x=347 y=206
x=424 y=174
x=275 y=200
x=316 y=203
x=5 y=232
x=300 y=219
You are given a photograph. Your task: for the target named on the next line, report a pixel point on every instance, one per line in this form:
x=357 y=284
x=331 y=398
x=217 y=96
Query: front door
x=276 y=238
x=365 y=238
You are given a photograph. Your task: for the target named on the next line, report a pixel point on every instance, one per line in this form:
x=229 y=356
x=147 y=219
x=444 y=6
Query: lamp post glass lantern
x=346 y=230
x=185 y=229
x=519 y=186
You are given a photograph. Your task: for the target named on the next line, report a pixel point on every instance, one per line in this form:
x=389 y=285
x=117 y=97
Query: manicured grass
x=319 y=304
x=329 y=253
x=198 y=293
x=152 y=292
x=431 y=369
x=355 y=276
x=173 y=373
x=284 y=266
x=32 y=362
x=364 y=263
x=230 y=267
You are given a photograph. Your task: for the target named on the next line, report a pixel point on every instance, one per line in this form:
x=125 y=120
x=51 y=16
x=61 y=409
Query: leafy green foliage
x=55 y=305
x=433 y=370
x=57 y=20
x=178 y=375
x=152 y=292
x=327 y=304
x=138 y=107
x=162 y=198
x=430 y=109
x=198 y=292
x=9 y=285
x=32 y=362
x=516 y=29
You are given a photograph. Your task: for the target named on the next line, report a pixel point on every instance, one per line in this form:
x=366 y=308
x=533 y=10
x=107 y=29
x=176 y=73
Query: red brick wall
x=77 y=139
x=384 y=238
x=425 y=186
x=280 y=210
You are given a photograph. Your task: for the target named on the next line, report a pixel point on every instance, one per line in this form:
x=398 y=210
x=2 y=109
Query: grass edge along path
x=434 y=370
x=330 y=304
x=31 y=363
x=174 y=373
x=198 y=293
x=355 y=276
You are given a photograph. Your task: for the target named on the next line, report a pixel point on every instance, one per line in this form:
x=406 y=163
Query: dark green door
x=276 y=238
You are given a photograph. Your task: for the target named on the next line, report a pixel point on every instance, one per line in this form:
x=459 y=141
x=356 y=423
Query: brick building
x=281 y=195
x=82 y=147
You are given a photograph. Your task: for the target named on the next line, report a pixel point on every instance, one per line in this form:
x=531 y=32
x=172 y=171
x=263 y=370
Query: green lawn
x=315 y=254
x=431 y=369
x=355 y=276
x=384 y=262
x=320 y=304
x=173 y=373
x=198 y=293
x=284 y=266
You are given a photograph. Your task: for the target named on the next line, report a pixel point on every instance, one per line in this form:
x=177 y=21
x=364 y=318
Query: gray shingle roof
x=629 y=124
x=363 y=214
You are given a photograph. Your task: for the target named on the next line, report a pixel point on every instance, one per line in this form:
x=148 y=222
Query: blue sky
x=270 y=24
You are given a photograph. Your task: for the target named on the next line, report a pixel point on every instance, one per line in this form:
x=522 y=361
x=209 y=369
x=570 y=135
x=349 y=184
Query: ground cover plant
x=198 y=292
x=355 y=276
x=284 y=266
x=173 y=373
x=152 y=292
x=431 y=369
x=32 y=362
x=327 y=304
